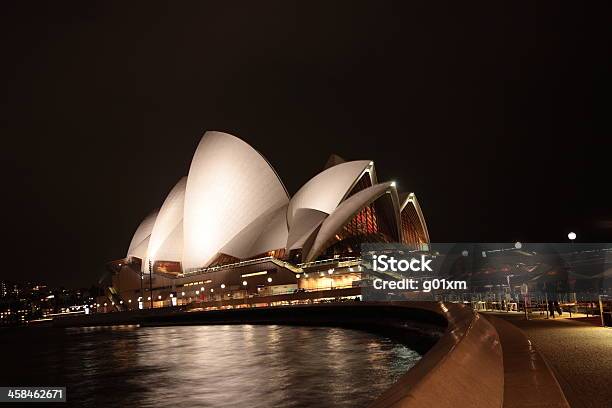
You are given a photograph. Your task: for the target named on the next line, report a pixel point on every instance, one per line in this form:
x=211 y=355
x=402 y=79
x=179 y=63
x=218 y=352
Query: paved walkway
x=579 y=353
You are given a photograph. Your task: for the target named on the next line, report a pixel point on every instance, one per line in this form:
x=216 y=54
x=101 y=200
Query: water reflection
x=210 y=366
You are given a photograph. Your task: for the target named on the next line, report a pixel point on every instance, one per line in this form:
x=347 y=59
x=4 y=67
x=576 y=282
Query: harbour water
x=206 y=366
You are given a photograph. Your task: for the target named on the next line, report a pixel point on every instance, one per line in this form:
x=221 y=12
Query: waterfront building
x=229 y=230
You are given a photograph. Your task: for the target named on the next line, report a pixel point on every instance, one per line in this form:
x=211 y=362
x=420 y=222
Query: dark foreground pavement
x=579 y=353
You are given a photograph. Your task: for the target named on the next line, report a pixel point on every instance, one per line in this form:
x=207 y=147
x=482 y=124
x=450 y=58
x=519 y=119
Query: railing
x=341 y=262
x=299 y=268
x=241 y=264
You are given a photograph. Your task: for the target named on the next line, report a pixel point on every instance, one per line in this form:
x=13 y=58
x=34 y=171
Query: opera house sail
x=229 y=230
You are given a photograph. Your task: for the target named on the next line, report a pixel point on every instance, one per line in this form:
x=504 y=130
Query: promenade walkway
x=579 y=353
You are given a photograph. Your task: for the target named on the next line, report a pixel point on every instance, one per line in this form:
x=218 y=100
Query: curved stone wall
x=464 y=368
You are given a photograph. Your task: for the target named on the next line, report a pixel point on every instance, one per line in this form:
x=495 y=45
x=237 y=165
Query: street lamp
x=151 y=281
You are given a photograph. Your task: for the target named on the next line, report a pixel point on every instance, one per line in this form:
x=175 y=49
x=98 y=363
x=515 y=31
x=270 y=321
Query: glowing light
x=223 y=286
x=130 y=301
x=393 y=184
x=197 y=292
x=244 y=283
x=202 y=289
x=269 y=280
x=297 y=276
x=571 y=236
x=246 y=275
x=182 y=293
x=148 y=297
x=212 y=290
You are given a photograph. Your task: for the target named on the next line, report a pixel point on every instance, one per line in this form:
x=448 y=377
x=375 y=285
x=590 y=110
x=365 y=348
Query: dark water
x=206 y=366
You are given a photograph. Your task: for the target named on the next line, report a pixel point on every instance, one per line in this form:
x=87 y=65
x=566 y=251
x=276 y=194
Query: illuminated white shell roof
x=166 y=242
x=233 y=202
x=266 y=233
x=346 y=211
x=229 y=186
x=143 y=232
x=305 y=223
x=327 y=189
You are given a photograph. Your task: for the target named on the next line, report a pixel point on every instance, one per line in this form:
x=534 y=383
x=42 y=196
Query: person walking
x=551 y=308
x=558 y=307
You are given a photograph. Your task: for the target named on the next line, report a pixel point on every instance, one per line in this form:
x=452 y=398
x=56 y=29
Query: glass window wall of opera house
x=228 y=234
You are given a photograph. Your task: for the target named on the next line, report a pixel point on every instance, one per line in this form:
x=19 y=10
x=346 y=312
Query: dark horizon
x=494 y=116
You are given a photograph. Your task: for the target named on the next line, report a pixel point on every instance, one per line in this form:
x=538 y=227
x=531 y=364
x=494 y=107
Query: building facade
x=229 y=230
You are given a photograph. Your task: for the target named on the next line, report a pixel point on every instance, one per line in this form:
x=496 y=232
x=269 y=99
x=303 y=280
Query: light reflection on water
x=209 y=366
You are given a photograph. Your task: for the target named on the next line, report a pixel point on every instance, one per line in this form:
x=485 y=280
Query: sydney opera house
x=229 y=232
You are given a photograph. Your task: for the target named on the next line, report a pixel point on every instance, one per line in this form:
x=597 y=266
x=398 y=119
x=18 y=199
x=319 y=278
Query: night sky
x=496 y=115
